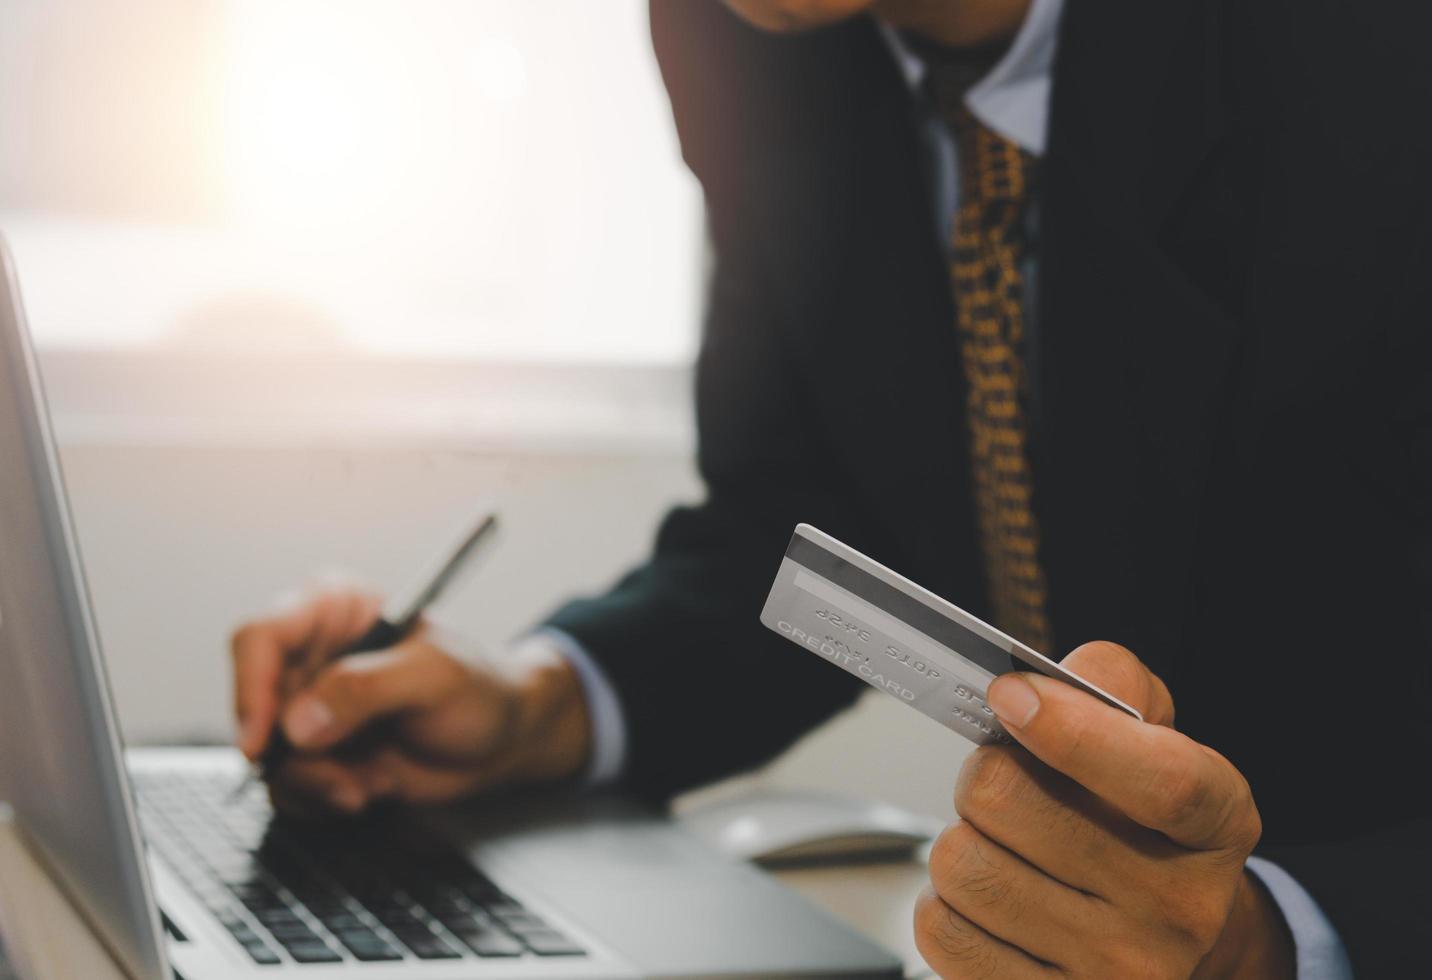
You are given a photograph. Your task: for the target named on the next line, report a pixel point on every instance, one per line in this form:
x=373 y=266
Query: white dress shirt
x=1013 y=100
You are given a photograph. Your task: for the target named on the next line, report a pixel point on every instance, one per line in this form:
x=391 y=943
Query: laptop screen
x=60 y=757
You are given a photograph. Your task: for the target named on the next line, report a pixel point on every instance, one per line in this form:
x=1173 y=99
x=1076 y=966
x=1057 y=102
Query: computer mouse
x=773 y=826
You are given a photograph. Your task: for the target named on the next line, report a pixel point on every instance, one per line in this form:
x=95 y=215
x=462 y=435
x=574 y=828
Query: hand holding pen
x=343 y=704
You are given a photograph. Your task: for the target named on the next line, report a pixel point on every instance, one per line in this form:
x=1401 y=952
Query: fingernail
x=306 y=720
x=1014 y=699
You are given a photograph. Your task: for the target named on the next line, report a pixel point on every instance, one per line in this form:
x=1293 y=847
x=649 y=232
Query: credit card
x=900 y=638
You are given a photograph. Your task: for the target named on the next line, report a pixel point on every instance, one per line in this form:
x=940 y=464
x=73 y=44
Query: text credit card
x=898 y=637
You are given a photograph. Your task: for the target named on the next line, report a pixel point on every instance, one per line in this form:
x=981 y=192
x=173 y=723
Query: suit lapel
x=1138 y=358
x=1137 y=102
x=888 y=355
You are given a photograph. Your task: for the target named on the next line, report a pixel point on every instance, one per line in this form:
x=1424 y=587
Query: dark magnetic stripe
x=909 y=610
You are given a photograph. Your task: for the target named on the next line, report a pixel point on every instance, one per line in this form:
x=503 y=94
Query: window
x=414 y=179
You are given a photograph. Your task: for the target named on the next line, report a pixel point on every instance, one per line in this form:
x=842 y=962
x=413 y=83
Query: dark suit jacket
x=1234 y=461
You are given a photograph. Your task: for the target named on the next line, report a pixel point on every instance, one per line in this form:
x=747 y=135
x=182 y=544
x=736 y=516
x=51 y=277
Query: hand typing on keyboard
x=413 y=722
x=318 y=893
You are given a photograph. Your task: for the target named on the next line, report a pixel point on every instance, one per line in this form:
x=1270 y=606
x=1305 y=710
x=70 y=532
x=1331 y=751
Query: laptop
x=179 y=881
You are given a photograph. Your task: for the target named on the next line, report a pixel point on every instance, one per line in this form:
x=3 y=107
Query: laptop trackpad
x=661 y=899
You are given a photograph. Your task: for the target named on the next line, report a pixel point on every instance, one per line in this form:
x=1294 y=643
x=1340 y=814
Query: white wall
x=182 y=542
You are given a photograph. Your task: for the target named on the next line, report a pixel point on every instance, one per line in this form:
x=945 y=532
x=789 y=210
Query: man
x=1126 y=344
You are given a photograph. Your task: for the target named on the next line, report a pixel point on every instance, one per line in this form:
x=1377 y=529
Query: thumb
x=357 y=690
x=1114 y=669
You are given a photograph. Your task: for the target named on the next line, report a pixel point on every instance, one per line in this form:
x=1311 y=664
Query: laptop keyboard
x=330 y=892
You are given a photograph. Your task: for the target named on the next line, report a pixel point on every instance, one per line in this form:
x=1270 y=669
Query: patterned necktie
x=989 y=298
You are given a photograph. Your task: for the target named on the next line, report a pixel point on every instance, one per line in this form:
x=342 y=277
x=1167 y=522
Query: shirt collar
x=1013 y=98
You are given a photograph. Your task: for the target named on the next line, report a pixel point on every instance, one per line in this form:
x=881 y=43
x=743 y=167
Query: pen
x=400 y=616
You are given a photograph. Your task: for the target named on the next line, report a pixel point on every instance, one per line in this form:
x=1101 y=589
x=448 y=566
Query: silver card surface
x=900 y=638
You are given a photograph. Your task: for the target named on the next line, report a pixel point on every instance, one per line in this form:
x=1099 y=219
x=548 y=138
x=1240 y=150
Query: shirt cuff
x=604 y=710
x=1319 y=950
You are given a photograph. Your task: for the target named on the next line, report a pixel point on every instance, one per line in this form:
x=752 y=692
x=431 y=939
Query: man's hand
x=412 y=722
x=1104 y=847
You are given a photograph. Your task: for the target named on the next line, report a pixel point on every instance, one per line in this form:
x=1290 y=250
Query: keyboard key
x=341 y=921
x=550 y=942
x=490 y=942
x=469 y=918
x=258 y=896
x=412 y=939
x=397 y=918
x=229 y=918
x=293 y=932
x=312 y=952
x=432 y=948
x=502 y=905
x=277 y=917
x=261 y=954
x=521 y=921
x=378 y=953
x=368 y=946
x=358 y=932
x=449 y=904
x=245 y=935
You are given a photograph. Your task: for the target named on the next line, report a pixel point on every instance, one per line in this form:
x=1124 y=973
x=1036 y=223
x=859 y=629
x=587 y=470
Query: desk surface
x=45 y=939
x=875 y=899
